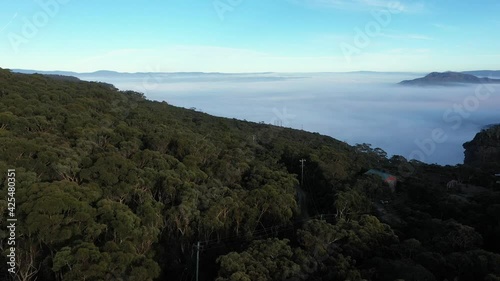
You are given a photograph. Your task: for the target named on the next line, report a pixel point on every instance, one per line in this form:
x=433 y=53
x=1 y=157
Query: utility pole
x=197 y=259
x=302 y=161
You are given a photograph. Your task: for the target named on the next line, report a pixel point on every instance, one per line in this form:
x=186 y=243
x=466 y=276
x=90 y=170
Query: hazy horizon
x=109 y=70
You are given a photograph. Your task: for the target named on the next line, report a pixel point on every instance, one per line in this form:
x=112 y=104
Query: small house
x=388 y=178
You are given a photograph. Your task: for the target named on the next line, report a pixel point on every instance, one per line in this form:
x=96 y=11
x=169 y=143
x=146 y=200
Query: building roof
x=385 y=176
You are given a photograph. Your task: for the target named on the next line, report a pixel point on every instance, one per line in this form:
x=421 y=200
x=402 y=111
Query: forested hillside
x=112 y=186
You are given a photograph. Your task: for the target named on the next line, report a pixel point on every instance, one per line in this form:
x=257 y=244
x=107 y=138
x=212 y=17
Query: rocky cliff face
x=484 y=150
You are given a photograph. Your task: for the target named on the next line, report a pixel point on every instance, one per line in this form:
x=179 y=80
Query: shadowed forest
x=112 y=186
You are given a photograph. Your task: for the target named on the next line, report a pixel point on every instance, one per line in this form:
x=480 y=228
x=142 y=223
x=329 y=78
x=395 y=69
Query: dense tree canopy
x=111 y=186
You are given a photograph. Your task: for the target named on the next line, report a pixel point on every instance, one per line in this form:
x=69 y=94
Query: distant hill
x=104 y=73
x=62 y=77
x=448 y=79
x=171 y=77
x=44 y=72
x=58 y=75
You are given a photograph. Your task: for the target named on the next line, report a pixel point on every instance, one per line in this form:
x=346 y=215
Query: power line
x=302 y=161
x=197 y=259
x=263 y=235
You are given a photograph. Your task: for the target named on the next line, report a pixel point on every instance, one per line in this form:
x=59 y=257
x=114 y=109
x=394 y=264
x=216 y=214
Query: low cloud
x=352 y=107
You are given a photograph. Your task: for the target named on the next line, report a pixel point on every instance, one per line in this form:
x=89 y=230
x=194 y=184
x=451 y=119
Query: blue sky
x=250 y=35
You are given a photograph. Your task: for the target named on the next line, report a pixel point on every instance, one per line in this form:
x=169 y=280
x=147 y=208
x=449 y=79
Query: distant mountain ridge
x=111 y=72
x=447 y=79
x=170 y=77
x=484 y=73
x=62 y=77
x=479 y=73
